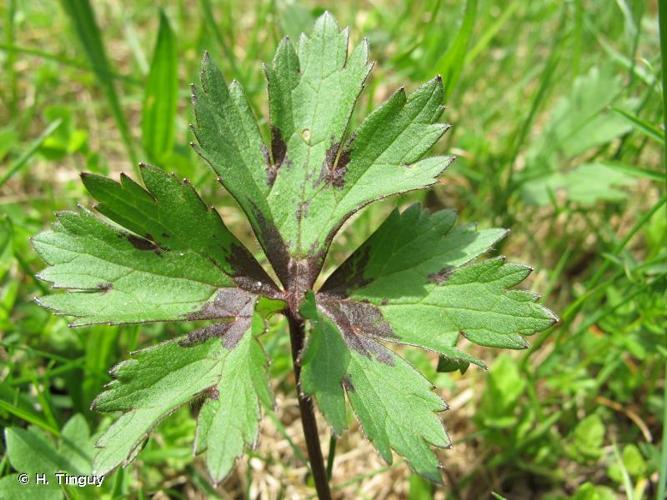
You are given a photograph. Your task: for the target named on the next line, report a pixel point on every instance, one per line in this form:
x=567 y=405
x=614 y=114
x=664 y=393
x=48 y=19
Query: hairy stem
x=308 y=421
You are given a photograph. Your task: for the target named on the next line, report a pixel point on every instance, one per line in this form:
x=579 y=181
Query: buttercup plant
x=169 y=257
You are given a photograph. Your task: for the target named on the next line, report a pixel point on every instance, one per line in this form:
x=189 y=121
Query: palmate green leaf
x=411 y=282
x=166 y=256
x=316 y=172
x=156 y=381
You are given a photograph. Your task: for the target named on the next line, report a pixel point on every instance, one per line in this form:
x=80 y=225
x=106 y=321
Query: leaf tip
x=553 y=317
x=326 y=16
x=93 y=405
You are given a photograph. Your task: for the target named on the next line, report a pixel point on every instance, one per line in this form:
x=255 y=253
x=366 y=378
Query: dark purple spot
x=104 y=287
x=141 y=244
x=347 y=384
x=296 y=274
x=236 y=306
x=271 y=174
x=203 y=334
x=228 y=302
x=334 y=166
x=275 y=247
x=230 y=333
x=360 y=323
x=301 y=274
x=441 y=276
x=236 y=332
x=278 y=152
x=302 y=210
x=248 y=274
x=278 y=146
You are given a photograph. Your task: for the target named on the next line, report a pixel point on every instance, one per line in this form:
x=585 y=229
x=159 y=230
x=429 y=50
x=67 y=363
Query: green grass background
x=559 y=131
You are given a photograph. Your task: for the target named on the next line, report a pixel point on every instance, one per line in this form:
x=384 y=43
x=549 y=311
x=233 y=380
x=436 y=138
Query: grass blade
x=451 y=64
x=27 y=154
x=15 y=404
x=331 y=456
x=615 y=56
x=635 y=171
x=99 y=355
x=643 y=126
x=161 y=96
x=662 y=21
x=491 y=32
x=135 y=44
x=627 y=482
x=82 y=16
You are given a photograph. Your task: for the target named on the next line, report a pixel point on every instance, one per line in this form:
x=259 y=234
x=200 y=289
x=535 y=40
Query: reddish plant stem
x=297 y=335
